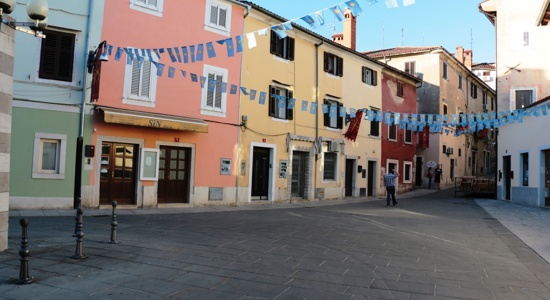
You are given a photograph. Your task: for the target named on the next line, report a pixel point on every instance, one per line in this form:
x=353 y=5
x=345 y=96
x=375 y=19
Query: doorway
x=117 y=173
x=174 y=173
x=298 y=182
x=350 y=179
x=260 y=173
x=508 y=174
x=547 y=178
x=371 y=178
x=419 y=172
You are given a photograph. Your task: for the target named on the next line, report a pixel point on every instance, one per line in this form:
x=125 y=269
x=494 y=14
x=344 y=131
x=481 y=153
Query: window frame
x=273 y=107
x=39 y=139
x=407 y=174
x=445 y=71
x=146 y=7
x=410 y=67
x=524 y=160
x=334 y=172
x=473 y=90
x=369 y=76
x=459 y=81
x=400 y=90
x=392 y=130
x=58 y=53
x=407 y=135
x=283 y=48
x=216 y=28
x=374 y=126
x=513 y=97
x=127 y=96
x=338 y=122
x=213 y=110
x=333 y=64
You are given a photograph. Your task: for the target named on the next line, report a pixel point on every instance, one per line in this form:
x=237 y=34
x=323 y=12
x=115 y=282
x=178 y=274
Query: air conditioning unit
x=333 y=146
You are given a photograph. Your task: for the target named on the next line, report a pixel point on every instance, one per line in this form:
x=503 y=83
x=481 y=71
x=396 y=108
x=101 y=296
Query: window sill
x=137 y=102
x=47 y=176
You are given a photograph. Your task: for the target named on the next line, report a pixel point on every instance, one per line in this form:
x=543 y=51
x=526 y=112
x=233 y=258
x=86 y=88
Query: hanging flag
x=392 y=3
x=354 y=7
x=332 y=111
x=396 y=118
x=304 y=105
x=118 y=53
x=352 y=112
x=408 y=2
x=233 y=89
x=171 y=72
x=291 y=103
x=239 y=40
x=194 y=77
x=263 y=95
x=262 y=31
x=129 y=57
x=280 y=31
x=353 y=128
x=110 y=51
x=338 y=13
x=203 y=81
x=280 y=101
x=149 y=55
x=210 y=50
x=172 y=57
x=325 y=108
x=251 y=40
x=221 y=42
x=157 y=52
x=229 y=46
x=313 y=109
x=177 y=50
x=160 y=69
x=211 y=85
x=192 y=53
x=287 y=25
x=183 y=73
x=342 y=112
x=224 y=87
x=200 y=51
x=252 y=94
x=320 y=17
x=310 y=21
x=185 y=54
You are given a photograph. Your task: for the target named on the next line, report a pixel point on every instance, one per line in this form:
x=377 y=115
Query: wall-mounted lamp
x=92 y=56
x=38 y=16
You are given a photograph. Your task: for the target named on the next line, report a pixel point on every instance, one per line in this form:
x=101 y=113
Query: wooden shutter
x=272 y=101
x=218 y=98
x=289 y=111
x=340 y=66
x=326 y=116
x=214 y=15
x=339 y=120
x=326 y=61
x=374 y=78
x=146 y=79
x=273 y=43
x=290 y=49
x=363 y=74
x=222 y=20
x=57 y=56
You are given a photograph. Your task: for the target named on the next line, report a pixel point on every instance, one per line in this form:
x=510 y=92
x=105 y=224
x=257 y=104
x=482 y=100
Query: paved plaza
x=430 y=246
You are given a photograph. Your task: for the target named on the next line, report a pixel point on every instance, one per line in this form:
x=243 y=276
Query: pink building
x=165 y=119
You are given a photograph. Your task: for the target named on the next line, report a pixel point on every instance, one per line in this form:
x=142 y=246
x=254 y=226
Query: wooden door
x=260 y=173
x=174 y=173
x=118 y=173
x=299 y=171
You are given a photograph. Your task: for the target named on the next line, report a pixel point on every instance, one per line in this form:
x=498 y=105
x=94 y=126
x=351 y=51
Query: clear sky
x=447 y=23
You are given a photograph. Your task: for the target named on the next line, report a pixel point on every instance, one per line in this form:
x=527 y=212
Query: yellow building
x=292 y=144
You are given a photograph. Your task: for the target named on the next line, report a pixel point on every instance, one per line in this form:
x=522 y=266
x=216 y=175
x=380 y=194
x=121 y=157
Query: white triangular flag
x=392 y=3
x=251 y=40
x=262 y=31
x=408 y=2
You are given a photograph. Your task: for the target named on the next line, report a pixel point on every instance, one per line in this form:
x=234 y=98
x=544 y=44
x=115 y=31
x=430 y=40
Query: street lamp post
x=37 y=10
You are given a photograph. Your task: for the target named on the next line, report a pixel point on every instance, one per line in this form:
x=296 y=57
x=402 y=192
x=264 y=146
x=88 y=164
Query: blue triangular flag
x=304 y=105
x=194 y=77
x=200 y=52
x=313 y=109
x=229 y=46
x=239 y=41
x=211 y=85
x=243 y=89
x=160 y=69
x=252 y=94
x=263 y=95
x=192 y=53
x=203 y=81
x=171 y=72
x=185 y=54
x=338 y=13
x=210 y=50
x=280 y=31
x=354 y=7
x=233 y=89
x=310 y=21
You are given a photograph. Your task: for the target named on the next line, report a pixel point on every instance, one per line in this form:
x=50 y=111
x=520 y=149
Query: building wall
x=7 y=53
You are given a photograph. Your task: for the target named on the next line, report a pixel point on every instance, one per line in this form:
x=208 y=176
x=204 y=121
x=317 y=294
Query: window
x=278 y=103
x=410 y=67
x=369 y=76
x=283 y=48
x=444 y=70
x=49 y=156
x=459 y=81
x=525 y=169
x=334 y=64
x=408 y=134
x=445 y=109
x=392 y=130
x=153 y=7
x=374 y=126
x=399 y=88
x=486 y=73
x=526 y=39
x=214 y=101
x=473 y=91
x=522 y=98
x=57 y=56
x=218 y=17
x=492 y=103
x=334 y=121
x=484 y=100
x=459 y=152
x=444 y=149
x=140 y=82
x=407 y=174
x=329 y=165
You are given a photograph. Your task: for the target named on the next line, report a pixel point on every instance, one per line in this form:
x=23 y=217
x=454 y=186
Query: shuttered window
x=369 y=76
x=283 y=48
x=333 y=64
x=218 y=17
x=331 y=120
x=278 y=103
x=57 y=56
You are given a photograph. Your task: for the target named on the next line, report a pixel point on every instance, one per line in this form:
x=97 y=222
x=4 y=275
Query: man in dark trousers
x=389 y=181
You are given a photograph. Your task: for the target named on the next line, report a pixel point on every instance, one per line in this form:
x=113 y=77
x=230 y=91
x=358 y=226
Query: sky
x=447 y=23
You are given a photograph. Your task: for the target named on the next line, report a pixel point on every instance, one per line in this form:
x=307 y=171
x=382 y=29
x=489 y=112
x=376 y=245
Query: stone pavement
x=430 y=246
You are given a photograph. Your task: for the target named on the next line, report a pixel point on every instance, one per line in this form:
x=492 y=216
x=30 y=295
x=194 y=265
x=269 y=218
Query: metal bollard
x=114 y=224
x=76 y=219
x=79 y=252
x=24 y=252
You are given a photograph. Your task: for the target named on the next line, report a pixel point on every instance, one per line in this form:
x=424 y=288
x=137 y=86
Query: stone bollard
x=114 y=224
x=24 y=252
x=79 y=252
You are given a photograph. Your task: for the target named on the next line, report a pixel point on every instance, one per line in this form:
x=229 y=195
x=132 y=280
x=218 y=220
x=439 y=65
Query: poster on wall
x=282 y=168
x=225 y=166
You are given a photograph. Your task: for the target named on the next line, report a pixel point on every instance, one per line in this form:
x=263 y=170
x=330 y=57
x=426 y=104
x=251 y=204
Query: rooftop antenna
x=402 y=36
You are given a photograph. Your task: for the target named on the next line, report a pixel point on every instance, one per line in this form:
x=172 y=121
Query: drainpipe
x=317 y=111
x=237 y=163
x=80 y=140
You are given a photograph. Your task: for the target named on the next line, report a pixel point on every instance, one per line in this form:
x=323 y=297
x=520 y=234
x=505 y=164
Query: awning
x=151 y=120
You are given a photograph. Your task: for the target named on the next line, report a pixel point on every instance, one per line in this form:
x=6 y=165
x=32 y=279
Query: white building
x=523 y=73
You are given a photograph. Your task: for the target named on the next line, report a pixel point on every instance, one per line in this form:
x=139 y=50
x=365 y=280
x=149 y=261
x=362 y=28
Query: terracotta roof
x=401 y=50
x=483 y=66
x=544 y=16
x=538 y=102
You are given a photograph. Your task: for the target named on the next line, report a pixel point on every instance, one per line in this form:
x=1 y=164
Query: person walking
x=389 y=182
x=437 y=177
x=430 y=175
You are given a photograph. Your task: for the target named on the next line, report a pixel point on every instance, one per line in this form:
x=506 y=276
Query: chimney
x=348 y=37
x=468 y=59
x=460 y=54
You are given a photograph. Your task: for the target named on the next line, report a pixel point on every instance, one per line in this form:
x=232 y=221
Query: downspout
x=237 y=165
x=316 y=112
x=77 y=202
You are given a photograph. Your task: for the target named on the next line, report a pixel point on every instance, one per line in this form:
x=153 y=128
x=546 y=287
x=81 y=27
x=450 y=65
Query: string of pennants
x=455 y=123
